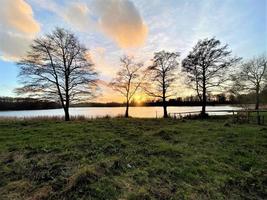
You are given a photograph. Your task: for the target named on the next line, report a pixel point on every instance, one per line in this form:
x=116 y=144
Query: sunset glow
x=137 y=28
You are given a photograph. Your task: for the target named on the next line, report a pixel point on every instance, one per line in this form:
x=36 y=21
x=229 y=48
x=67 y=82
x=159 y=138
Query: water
x=92 y=112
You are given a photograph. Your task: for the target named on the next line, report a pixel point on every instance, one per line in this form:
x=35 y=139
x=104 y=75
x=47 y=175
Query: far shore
x=119 y=106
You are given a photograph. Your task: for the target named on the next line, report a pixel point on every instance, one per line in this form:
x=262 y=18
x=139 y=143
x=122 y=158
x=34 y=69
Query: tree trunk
x=204 y=102
x=204 y=97
x=257 y=104
x=67 y=115
x=67 y=105
x=165 y=113
x=127 y=109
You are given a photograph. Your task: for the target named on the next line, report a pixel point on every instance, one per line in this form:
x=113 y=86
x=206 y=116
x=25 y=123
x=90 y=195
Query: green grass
x=134 y=159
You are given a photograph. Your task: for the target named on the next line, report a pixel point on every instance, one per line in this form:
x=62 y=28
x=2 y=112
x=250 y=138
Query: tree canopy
x=58 y=67
x=206 y=67
x=162 y=74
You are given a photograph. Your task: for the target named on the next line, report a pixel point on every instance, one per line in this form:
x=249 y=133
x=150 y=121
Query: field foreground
x=133 y=159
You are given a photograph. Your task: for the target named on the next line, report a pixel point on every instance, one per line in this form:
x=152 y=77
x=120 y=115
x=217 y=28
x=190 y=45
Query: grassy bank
x=132 y=159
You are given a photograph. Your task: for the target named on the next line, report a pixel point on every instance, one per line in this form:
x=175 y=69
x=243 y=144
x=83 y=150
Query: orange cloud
x=118 y=19
x=18 y=15
x=127 y=35
x=17 y=28
x=121 y=20
x=78 y=15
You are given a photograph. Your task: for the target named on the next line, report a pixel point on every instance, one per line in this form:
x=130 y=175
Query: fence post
x=258 y=118
x=233 y=117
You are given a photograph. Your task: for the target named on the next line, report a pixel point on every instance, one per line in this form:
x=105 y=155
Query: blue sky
x=174 y=25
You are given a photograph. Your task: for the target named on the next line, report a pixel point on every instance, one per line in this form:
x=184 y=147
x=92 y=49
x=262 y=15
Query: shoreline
x=237 y=105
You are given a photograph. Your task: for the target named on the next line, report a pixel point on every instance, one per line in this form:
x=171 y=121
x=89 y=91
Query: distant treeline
x=9 y=103
x=219 y=99
x=171 y=102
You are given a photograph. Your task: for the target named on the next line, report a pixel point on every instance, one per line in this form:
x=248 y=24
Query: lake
x=92 y=112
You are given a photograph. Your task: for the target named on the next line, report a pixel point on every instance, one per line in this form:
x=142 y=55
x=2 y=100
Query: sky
x=113 y=28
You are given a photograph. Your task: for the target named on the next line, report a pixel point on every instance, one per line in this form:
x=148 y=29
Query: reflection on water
x=143 y=112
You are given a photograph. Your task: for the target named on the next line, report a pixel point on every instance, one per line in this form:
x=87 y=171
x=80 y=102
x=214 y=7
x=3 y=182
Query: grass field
x=136 y=159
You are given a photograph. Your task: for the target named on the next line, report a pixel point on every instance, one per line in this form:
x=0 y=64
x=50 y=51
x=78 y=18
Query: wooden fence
x=247 y=116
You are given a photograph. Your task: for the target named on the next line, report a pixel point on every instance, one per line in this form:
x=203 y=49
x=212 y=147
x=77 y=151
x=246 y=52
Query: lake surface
x=92 y=112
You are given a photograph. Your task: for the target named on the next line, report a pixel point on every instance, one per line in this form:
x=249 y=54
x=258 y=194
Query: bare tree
x=162 y=75
x=252 y=77
x=128 y=80
x=207 y=66
x=57 y=67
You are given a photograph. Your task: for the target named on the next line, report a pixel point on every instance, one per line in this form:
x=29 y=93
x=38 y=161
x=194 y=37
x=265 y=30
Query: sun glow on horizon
x=140 y=99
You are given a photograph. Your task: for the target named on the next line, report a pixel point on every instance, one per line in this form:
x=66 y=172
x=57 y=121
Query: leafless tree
x=162 y=75
x=57 y=67
x=252 y=77
x=128 y=80
x=206 y=67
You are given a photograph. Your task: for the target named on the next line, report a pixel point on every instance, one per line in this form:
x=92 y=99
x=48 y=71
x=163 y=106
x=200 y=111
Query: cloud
x=121 y=20
x=78 y=14
x=13 y=45
x=49 y=5
x=98 y=56
x=118 y=19
x=17 y=28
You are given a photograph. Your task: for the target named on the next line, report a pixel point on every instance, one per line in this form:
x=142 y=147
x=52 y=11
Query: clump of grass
x=140 y=194
x=9 y=119
x=16 y=190
x=32 y=119
x=78 y=118
x=42 y=192
x=82 y=177
x=167 y=135
x=89 y=182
